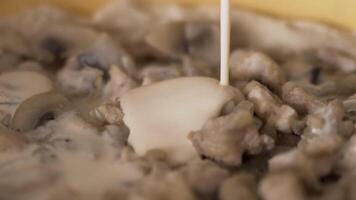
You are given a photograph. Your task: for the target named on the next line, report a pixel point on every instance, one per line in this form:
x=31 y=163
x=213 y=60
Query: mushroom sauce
x=288 y=135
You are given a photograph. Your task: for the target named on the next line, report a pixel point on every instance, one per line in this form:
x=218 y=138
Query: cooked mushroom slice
x=10 y=140
x=300 y=99
x=17 y=86
x=225 y=139
x=203 y=40
x=270 y=108
x=252 y=65
x=156 y=72
x=204 y=177
x=168 y=39
x=335 y=58
x=109 y=113
x=240 y=186
x=37 y=110
x=282 y=185
x=104 y=53
x=346 y=85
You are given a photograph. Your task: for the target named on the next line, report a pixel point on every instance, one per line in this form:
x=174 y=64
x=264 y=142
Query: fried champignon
x=325 y=90
x=61 y=41
x=176 y=39
x=204 y=177
x=108 y=113
x=239 y=186
x=30 y=66
x=337 y=59
x=314 y=158
x=282 y=185
x=196 y=67
x=70 y=132
x=252 y=65
x=299 y=68
x=119 y=84
x=23 y=177
x=203 y=41
x=8 y=60
x=339 y=87
x=73 y=81
x=92 y=68
x=168 y=39
x=117 y=134
x=165 y=185
x=12 y=41
x=18 y=85
x=270 y=108
x=155 y=73
x=55 y=48
x=350 y=104
x=131 y=19
x=327 y=119
x=300 y=99
x=348 y=162
x=226 y=138
x=105 y=52
x=345 y=86
x=37 y=110
x=320 y=147
x=10 y=141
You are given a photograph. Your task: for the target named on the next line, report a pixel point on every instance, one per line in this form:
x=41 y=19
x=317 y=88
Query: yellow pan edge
x=336 y=12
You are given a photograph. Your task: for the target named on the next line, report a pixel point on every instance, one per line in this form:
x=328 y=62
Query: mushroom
x=10 y=141
x=120 y=83
x=168 y=39
x=75 y=81
x=19 y=85
x=109 y=113
x=104 y=53
x=156 y=73
x=282 y=185
x=226 y=138
x=37 y=110
x=203 y=41
x=327 y=119
x=337 y=59
x=164 y=185
x=204 y=177
x=300 y=99
x=239 y=186
x=252 y=65
x=270 y=108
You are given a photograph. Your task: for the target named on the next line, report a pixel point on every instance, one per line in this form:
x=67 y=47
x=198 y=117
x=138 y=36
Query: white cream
x=160 y=116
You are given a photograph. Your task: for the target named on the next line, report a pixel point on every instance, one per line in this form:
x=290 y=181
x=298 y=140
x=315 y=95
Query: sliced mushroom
x=300 y=99
x=168 y=39
x=17 y=86
x=270 y=108
x=252 y=65
x=37 y=110
x=335 y=58
x=10 y=140
x=203 y=40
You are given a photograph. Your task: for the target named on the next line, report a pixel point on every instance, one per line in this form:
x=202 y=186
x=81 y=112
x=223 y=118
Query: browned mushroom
x=37 y=110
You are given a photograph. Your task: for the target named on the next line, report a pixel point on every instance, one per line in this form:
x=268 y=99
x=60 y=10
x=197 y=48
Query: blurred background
x=336 y=12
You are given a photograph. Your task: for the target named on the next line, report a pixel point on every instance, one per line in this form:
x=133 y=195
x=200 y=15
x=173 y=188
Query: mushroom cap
x=17 y=86
x=10 y=141
x=34 y=110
